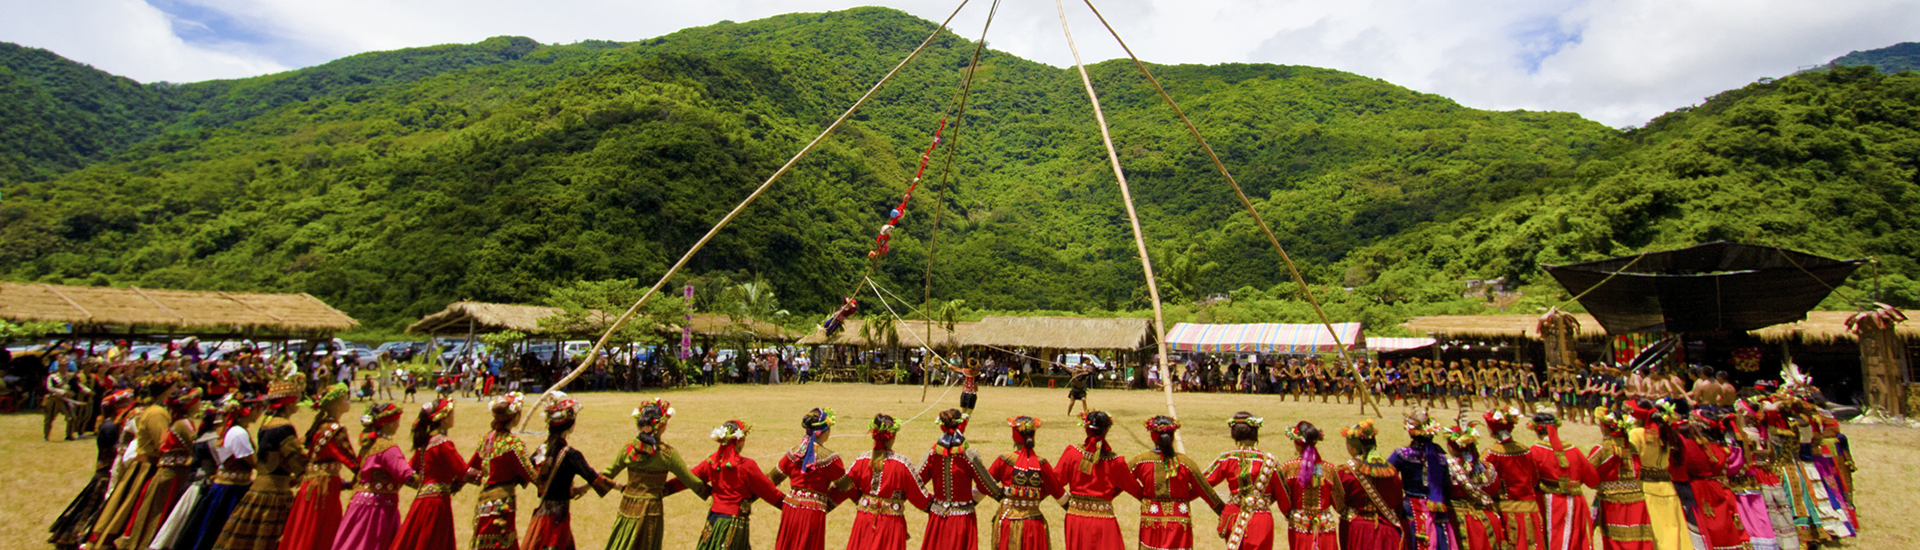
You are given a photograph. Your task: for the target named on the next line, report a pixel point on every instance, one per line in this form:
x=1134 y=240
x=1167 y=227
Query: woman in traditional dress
x=1423 y=477
x=956 y=476
x=439 y=472
x=233 y=457
x=1757 y=433
x=260 y=519
x=1252 y=476
x=192 y=508
x=1517 y=491
x=1094 y=475
x=175 y=471
x=1622 y=516
x=71 y=528
x=735 y=481
x=1469 y=480
x=1313 y=494
x=648 y=460
x=1167 y=481
x=555 y=466
x=1744 y=479
x=1716 y=515
x=1027 y=479
x=498 y=466
x=1563 y=475
x=887 y=486
x=316 y=506
x=149 y=426
x=1656 y=441
x=1371 y=491
x=810 y=470
x=373 y=517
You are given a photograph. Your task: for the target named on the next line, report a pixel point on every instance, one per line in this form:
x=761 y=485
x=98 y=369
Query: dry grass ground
x=38 y=478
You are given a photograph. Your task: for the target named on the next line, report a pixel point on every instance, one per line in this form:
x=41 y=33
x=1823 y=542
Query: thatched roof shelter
x=1825 y=327
x=1065 y=333
x=134 y=306
x=483 y=318
x=714 y=324
x=911 y=333
x=1495 y=326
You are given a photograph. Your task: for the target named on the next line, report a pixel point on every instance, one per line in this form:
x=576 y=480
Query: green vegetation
x=1904 y=56
x=391 y=183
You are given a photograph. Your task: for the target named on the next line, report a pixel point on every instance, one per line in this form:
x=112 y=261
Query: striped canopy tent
x=1263 y=338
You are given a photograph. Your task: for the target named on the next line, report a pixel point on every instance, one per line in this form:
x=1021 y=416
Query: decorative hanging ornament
x=1747 y=359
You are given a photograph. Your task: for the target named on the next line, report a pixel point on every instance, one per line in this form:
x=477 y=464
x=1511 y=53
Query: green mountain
x=391 y=183
x=1904 y=56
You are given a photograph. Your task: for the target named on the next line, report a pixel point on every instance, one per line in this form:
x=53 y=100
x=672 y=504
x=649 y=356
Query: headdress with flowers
x=1155 y=427
x=817 y=422
x=1365 y=435
x=437 y=410
x=337 y=391
x=508 y=403
x=563 y=410
x=1502 y=419
x=1462 y=435
x=1420 y=425
x=379 y=414
x=1295 y=434
x=233 y=408
x=731 y=431
x=882 y=432
x=666 y=412
x=1254 y=421
x=1023 y=429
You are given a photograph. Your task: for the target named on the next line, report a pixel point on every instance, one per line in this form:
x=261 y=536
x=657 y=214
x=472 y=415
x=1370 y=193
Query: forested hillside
x=390 y=183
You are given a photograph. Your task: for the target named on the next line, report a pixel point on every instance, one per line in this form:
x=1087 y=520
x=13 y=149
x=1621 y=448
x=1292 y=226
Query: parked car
x=1075 y=359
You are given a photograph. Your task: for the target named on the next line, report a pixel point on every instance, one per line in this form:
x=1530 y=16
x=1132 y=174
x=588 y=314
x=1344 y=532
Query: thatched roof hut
x=911 y=333
x=1825 y=327
x=483 y=318
x=1495 y=326
x=1065 y=333
x=134 y=306
x=714 y=324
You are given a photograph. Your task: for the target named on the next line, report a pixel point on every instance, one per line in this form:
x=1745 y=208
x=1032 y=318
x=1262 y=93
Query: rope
x=946 y=174
x=1339 y=347
x=1133 y=217
x=594 y=354
x=1603 y=281
x=903 y=302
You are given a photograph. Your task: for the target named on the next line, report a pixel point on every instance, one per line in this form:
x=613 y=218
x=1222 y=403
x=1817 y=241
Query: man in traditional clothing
x=58 y=402
x=1423 y=474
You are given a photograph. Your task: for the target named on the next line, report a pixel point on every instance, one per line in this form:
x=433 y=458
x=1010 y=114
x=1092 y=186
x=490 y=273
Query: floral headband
x=1462 y=435
x=1364 y=431
x=564 y=409
x=733 y=430
x=379 y=414
x=1254 y=421
x=1498 y=418
x=873 y=426
x=666 y=409
x=827 y=418
x=1156 y=427
x=1538 y=423
x=437 y=410
x=509 y=402
x=1423 y=428
x=1294 y=433
x=336 y=391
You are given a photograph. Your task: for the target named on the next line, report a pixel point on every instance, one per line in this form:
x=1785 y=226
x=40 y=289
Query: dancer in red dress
x=810 y=469
x=1094 y=475
x=1167 y=482
x=958 y=477
x=1252 y=476
x=1622 y=516
x=1314 y=497
x=316 y=506
x=556 y=465
x=441 y=469
x=1470 y=479
x=735 y=481
x=1517 y=483
x=498 y=466
x=1372 y=492
x=1705 y=460
x=1027 y=479
x=1563 y=472
x=886 y=484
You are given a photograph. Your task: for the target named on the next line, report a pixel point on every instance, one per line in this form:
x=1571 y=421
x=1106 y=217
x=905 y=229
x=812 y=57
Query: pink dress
x=373 y=517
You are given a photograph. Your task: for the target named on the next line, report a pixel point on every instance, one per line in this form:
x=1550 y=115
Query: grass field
x=39 y=478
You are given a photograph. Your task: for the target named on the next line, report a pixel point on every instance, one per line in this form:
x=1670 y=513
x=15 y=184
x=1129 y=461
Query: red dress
x=1166 y=487
x=803 y=517
x=1093 y=478
x=1624 y=524
x=498 y=466
x=735 y=481
x=1467 y=492
x=1250 y=475
x=1373 y=498
x=884 y=497
x=1715 y=512
x=429 y=523
x=316 y=507
x=1027 y=479
x=1516 y=488
x=956 y=474
x=1561 y=476
x=1312 y=508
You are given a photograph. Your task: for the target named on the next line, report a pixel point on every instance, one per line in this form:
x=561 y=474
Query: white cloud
x=1620 y=62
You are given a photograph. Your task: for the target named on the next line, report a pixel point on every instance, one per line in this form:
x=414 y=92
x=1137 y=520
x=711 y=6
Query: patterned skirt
x=1479 y=529
x=429 y=524
x=316 y=514
x=1163 y=526
x=1427 y=532
x=370 y=523
x=1569 y=521
x=155 y=502
x=493 y=520
x=1624 y=524
x=122 y=500
x=220 y=502
x=551 y=527
x=1251 y=530
x=641 y=525
x=187 y=512
x=725 y=532
x=70 y=529
x=873 y=531
x=261 y=517
x=1780 y=515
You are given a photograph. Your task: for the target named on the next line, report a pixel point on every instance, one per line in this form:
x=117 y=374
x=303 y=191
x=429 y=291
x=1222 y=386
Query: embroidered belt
x=1518 y=506
x=1325 y=520
x=952 y=507
x=1469 y=504
x=882 y=506
x=1367 y=514
x=494 y=507
x=1620 y=487
x=329 y=468
x=431 y=489
x=175 y=461
x=1097 y=507
x=802 y=498
x=1250 y=502
x=1015 y=508
x=1563 y=489
x=380 y=487
x=233 y=477
x=1163 y=507
x=1656 y=475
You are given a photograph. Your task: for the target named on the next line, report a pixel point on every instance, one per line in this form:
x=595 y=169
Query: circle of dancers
x=1769 y=471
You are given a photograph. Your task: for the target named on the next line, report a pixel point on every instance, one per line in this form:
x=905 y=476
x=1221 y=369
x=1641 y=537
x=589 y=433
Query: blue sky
x=1620 y=62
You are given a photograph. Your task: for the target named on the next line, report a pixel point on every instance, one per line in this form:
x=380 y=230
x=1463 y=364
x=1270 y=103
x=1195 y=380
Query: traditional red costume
x=1251 y=476
x=1094 y=475
x=429 y=522
x=957 y=477
x=1313 y=495
x=1624 y=524
x=1515 y=489
x=1715 y=513
x=886 y=486
x=1562 y=473
x=1468 y=483
x=1027 y=479
x=1167 y=483
x=735 y=481
x=1372 y=494
x=810 y=475
x=316 y=506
